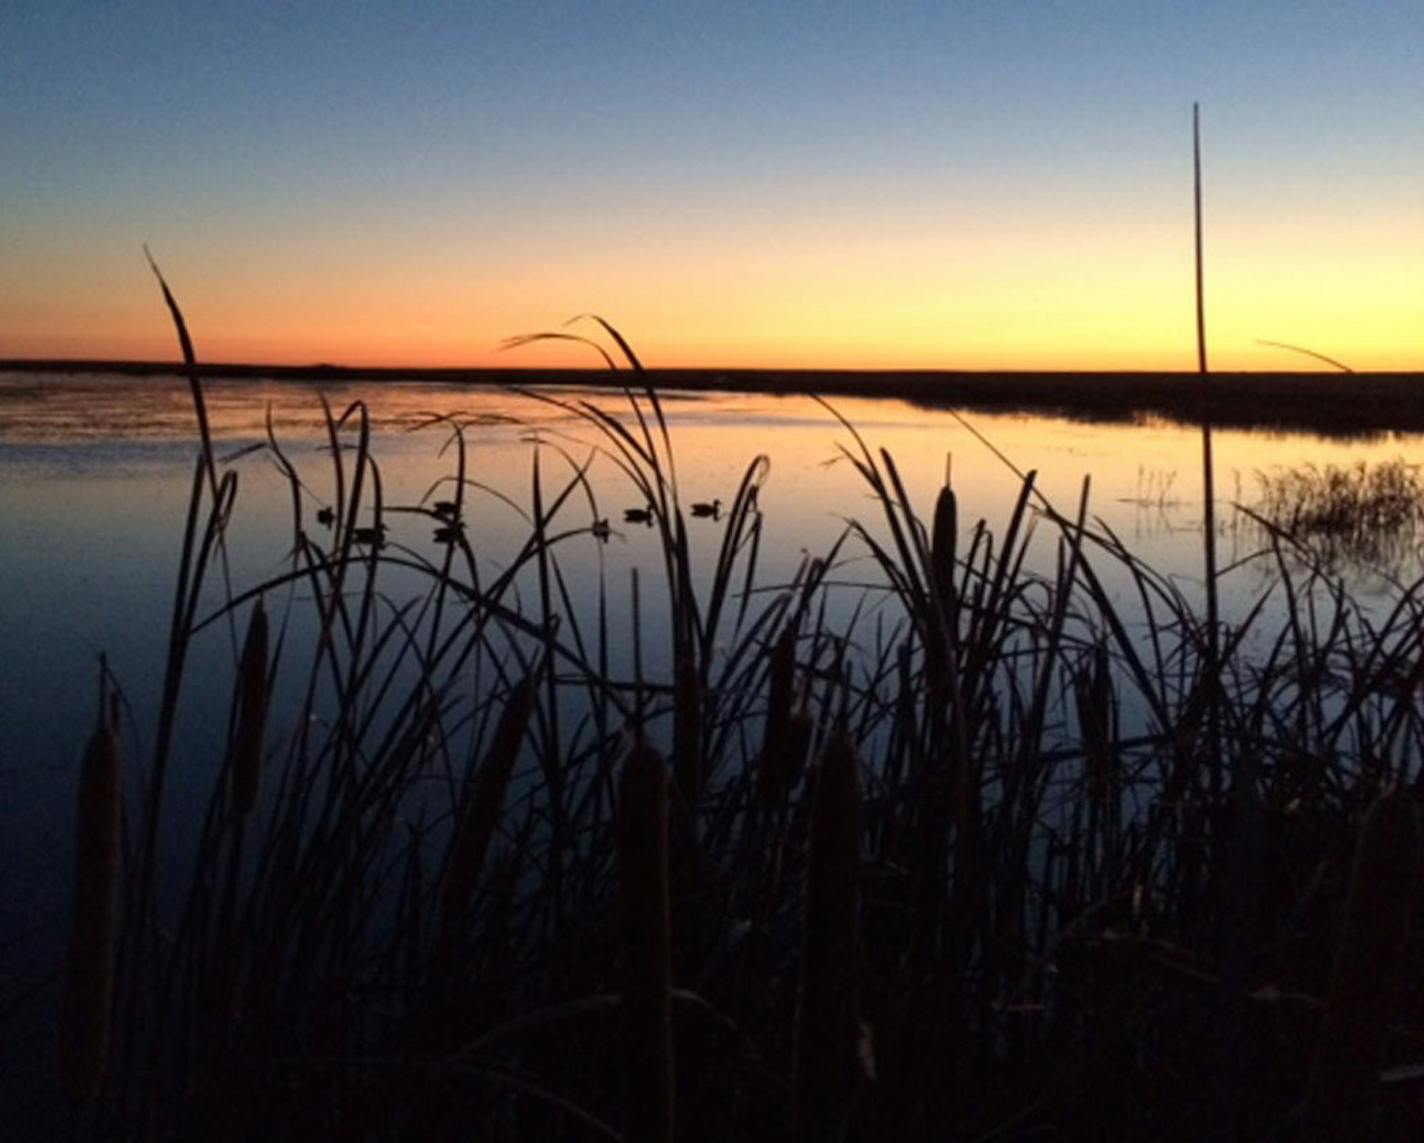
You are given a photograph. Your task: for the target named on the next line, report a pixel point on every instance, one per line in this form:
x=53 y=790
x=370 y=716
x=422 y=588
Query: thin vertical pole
x=1213 y=664
x=1232 y=854
x=1197 y=203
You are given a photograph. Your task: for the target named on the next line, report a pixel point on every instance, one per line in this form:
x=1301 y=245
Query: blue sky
x=353 y=157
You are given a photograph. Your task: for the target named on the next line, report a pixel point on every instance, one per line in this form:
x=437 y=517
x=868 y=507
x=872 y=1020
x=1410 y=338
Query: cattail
x=251 y=714
x=826 y=1034
x=941 y=617
x=645 y=946
x=774 y=773
x=89 y=983
x=1093 y=694
x=944 y=536
x=483 y=800
x=1369 y=966
x=687 y=734
x=800 y=729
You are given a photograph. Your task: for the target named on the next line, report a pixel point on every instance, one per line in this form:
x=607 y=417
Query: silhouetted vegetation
x=970 y=864
x=1364 y=514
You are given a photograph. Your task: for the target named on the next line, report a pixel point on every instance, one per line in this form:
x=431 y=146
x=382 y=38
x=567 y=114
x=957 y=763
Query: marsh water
x=96 y=473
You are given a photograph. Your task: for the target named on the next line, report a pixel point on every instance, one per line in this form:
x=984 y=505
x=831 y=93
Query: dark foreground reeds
x=959 y=865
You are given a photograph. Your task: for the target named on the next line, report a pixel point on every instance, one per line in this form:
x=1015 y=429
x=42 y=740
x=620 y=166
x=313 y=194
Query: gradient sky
x=952 y=185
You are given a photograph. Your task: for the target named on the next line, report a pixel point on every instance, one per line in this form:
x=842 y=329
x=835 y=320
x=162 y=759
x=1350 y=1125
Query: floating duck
x=449 y=534
x=638 y=515
x=326 y=516
x=372 y=537
x=445 y=509
x=600 y=530
x=712 y=511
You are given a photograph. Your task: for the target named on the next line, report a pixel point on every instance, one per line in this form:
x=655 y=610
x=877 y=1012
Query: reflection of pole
x=1208 y=492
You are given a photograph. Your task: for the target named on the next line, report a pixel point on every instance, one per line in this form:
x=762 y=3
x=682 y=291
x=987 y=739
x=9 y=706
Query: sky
x=986 y=185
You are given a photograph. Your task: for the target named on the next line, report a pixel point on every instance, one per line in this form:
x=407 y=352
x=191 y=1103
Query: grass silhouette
x=993 y=908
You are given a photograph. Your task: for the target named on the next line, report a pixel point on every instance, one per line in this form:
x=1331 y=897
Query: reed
x=645 y=947
x=827 y=1031
x=1362 y=514
x=85 y=1020
x=1368 y=974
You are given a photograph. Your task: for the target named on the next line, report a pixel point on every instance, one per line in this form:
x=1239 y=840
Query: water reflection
x=95 y=472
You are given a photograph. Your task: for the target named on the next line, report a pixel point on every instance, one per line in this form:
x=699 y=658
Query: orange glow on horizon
x=1055 y=295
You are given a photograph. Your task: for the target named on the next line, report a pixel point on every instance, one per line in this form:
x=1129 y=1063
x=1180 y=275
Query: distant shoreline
x=1329 y=403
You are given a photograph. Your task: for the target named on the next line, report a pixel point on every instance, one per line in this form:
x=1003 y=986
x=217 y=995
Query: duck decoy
x=372 y=537
x=600 y=530
x=712 y=511
x=445 y=509
x=449 y=534
x=638 y=515
x=326 y=516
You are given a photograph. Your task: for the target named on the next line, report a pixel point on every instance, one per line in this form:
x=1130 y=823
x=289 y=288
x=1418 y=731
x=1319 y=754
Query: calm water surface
x=95 y=474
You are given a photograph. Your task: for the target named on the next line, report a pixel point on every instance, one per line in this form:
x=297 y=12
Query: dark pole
x=1197 y=203
x=1208 y=484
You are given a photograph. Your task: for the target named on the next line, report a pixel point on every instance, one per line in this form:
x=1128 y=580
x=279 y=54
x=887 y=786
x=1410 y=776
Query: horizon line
x=327 y=368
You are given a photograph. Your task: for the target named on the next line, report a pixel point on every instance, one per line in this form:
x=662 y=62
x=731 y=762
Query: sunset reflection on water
x=95 y=473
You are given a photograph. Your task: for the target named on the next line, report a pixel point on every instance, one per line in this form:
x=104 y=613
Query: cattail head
x=251 y=714
x=774 y=775
x=944 y=535
x=941 y=616
x=687 y=733
x=484 y=797
x=89 y=981
x=800 y=731
x=781 y=675
x=645 y=946
x=1093 y=695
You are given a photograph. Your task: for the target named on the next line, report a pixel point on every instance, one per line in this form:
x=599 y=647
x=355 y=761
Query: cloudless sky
x=978 y=185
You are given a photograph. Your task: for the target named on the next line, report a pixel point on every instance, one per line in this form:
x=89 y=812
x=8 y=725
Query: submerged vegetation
x=918 y=844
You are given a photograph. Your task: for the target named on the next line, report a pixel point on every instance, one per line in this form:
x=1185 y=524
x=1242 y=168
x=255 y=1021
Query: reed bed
x=1368 y=514
x=959 y=867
